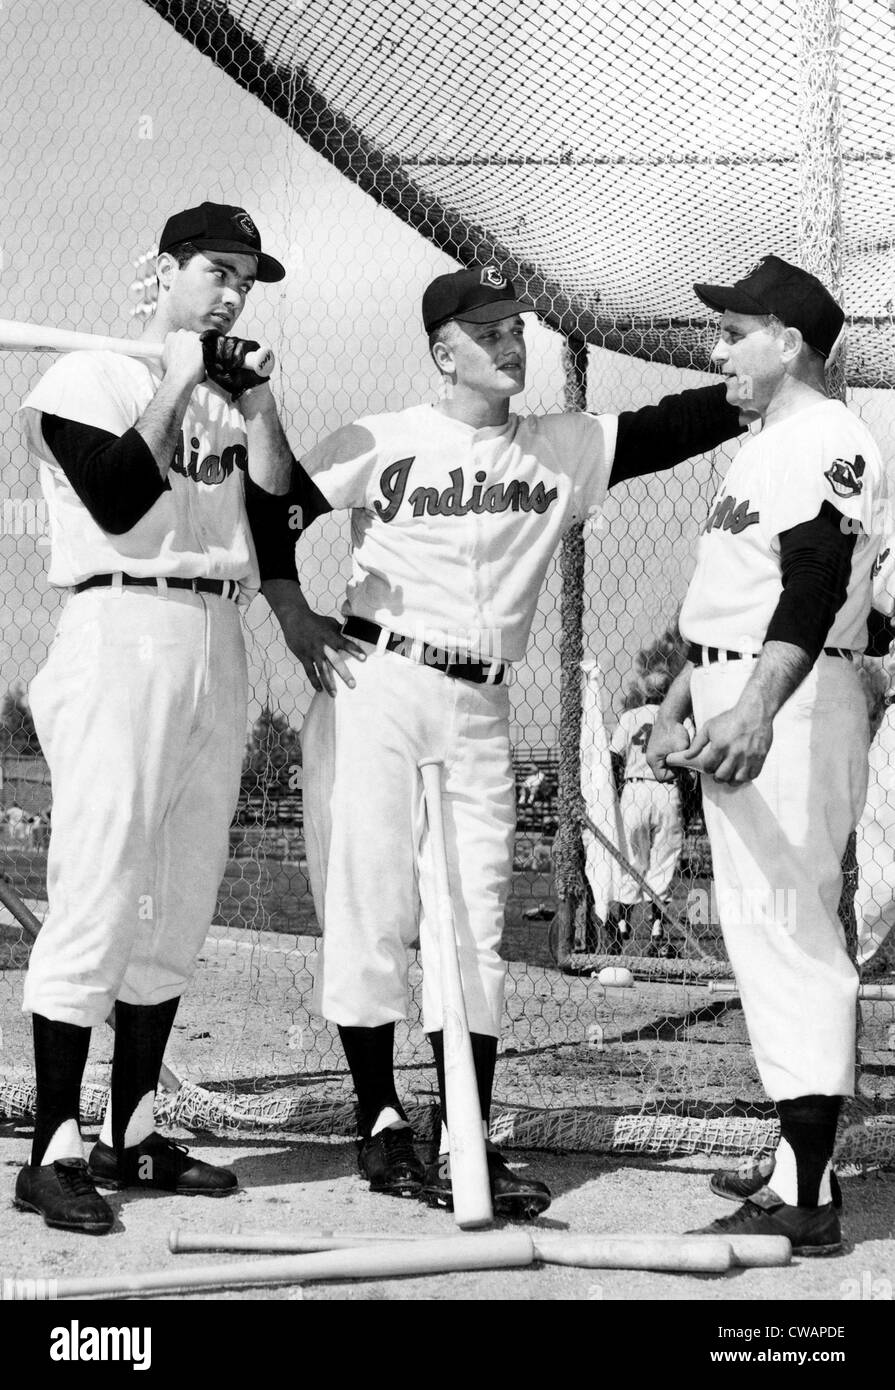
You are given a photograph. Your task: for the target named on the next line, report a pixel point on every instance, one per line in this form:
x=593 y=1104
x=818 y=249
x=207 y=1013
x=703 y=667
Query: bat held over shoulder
x=33 y=337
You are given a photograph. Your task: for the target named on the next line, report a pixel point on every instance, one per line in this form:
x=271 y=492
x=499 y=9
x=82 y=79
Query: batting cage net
x=607 y=155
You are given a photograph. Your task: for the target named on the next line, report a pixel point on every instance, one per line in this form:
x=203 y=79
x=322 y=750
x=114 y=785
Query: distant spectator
x=15 y=819
x=533 y=788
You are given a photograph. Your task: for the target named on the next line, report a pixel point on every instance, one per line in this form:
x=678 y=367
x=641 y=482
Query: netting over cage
x=606 y=154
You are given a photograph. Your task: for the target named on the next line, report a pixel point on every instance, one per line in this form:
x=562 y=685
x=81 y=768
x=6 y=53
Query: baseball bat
x=470 y=1185
x=34 y=337
x=26 y=919
x=871 y=991
x=294 y=1243
x=585 y=1252
x=673 y=1253
x=864 y=991
x=442 y=1255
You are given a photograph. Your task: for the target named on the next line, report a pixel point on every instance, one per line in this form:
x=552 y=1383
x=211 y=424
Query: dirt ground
x=291 y=1184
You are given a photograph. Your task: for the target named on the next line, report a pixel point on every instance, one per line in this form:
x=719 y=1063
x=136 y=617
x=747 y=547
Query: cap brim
x=269 y=270
x=497 y=309
x=721 y=297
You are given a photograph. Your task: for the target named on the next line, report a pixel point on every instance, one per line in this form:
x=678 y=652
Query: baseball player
x=776 y=608
x=141 y=704
x=652 y=823
x=456 y=510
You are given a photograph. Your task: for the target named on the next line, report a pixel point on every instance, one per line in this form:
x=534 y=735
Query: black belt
x=703 y=656
x=642 y=779
x=228 y=588
x=427 y=654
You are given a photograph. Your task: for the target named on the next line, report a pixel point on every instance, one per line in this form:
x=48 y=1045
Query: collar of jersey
x=487 y=432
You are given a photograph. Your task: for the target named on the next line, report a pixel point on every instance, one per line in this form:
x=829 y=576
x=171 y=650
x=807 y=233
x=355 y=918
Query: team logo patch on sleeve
x=845 y=478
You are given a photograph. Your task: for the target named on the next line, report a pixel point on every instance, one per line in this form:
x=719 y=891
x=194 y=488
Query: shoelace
x=177 y=1153
x=76 y=1180
x=399 y=1142
x=744 y=1216
x=180 y=1148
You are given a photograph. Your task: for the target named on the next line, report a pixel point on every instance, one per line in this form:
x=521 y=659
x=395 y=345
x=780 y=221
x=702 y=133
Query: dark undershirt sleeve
x=116 y=478
x=880 y=633
x=277 y=522
x=815 y=562
x=677 y=428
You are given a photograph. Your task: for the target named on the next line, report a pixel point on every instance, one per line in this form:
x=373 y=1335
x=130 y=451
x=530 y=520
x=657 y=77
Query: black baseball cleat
x=809 y=1230
x=64 y=1195
x=662 y=949
x=615 y=943
x=737 y=1184
x=160 y=1165
x=390 y=1163
x=518 y=1198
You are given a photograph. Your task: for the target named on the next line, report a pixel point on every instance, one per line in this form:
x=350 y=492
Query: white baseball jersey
x=453 y=527
x=630 y=738
x=196 y=529
x=779 y=478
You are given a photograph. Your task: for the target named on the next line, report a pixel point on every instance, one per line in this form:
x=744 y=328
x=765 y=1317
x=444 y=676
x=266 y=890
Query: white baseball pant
x=140 y=709
x=777 y=846
x=654 y=835
x=367 y=846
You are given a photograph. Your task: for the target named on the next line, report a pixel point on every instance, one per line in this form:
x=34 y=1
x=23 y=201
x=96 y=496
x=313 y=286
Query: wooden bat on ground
x=561 y=1247
x=33 y=337
x=491 y=1250
x=470 y=1185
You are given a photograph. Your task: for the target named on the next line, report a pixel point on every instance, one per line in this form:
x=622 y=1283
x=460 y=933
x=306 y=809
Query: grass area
x=265 y=887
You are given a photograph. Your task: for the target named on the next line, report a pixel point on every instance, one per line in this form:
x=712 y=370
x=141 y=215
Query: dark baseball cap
x=797 y=299
x=217 y=227
x=480 y=295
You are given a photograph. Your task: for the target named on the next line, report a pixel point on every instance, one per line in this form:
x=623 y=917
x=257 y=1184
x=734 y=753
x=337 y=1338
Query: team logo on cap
x=845 y=478
x=492 y=276
x=246 y=225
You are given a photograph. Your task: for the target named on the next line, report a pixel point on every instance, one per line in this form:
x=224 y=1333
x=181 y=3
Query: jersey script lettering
x=730 y=515
x=515 y=496
x=212 y=468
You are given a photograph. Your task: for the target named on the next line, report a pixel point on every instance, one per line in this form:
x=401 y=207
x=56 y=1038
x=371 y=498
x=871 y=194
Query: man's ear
x=165 y=269
x=792 y=343
x=443 y=358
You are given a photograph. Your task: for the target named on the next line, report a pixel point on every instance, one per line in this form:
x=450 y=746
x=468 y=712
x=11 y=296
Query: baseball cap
x=797 y=299
x=218 y=227
x=480 y=295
